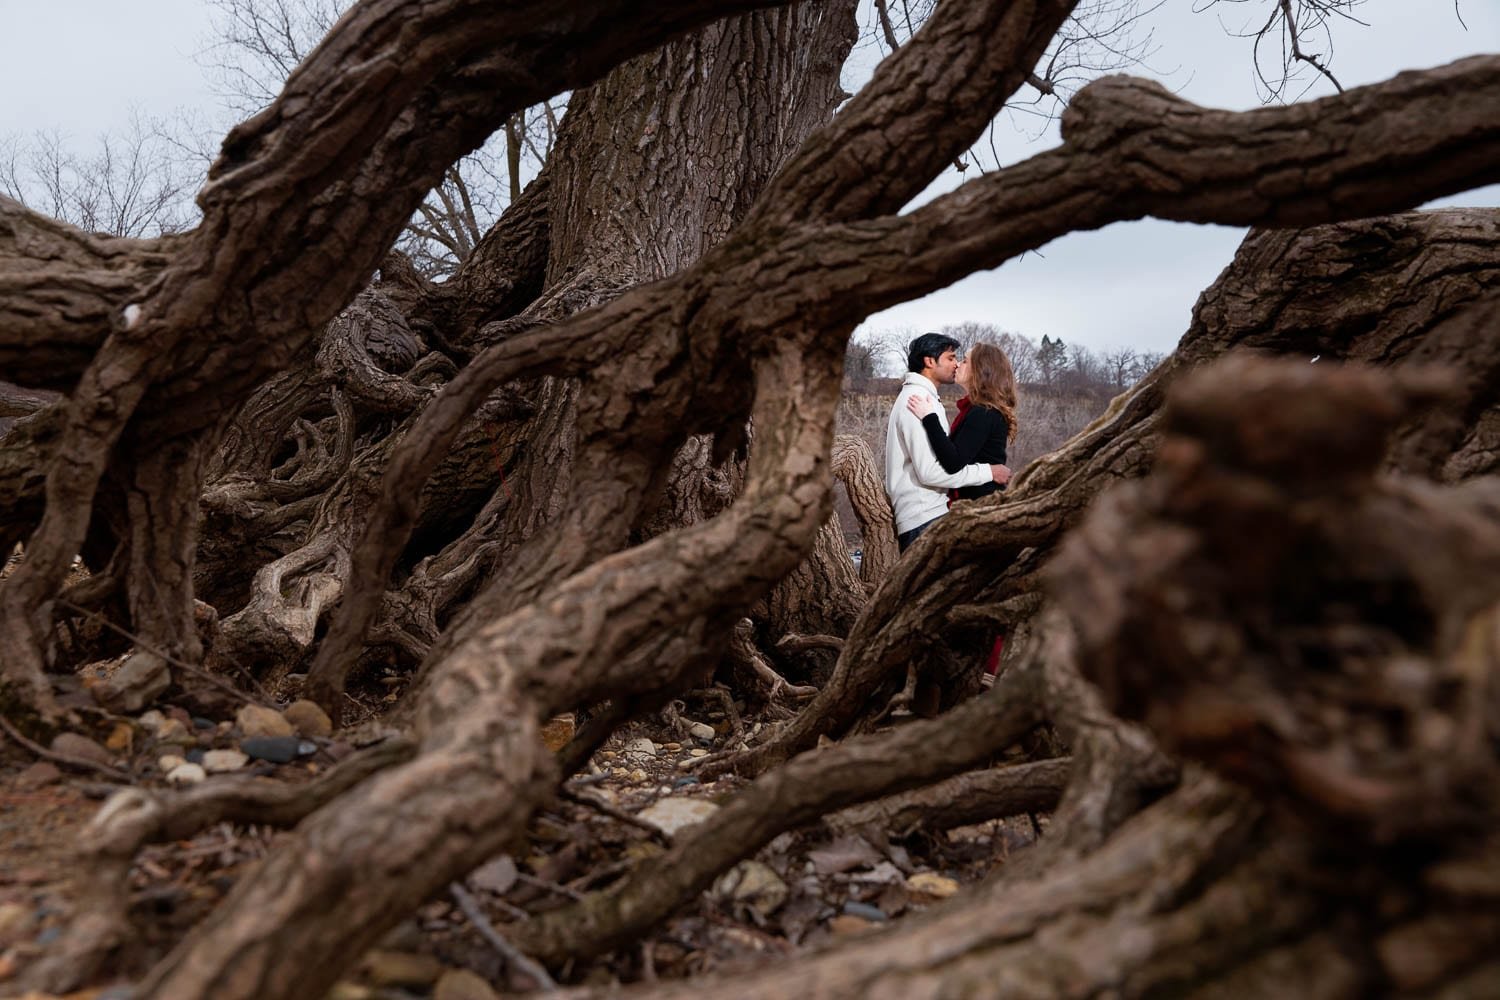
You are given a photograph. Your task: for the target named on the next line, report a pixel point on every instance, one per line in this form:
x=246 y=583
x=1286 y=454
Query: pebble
x=278 y=749
x=685 y=764
x=931 y=885
x=173 y=731
x=82 y=747
x=151 y=720
x=671 y=746
x=308 y=719
x=186 y=774
x=401 y=968
x=121 y=738
x=685 y=782
x=638 y=775
x=195 y=755
x=169 y=761
x=218 y=761
x=199 y=722
x=14 y=919
x=673 y=814
x=754 y=885
x=845 y=924
x=697 y=752
x=258 y=721
x=38 y=775
x=641 y=746
x=864 y=911
x=702 y=731
x=462 y=984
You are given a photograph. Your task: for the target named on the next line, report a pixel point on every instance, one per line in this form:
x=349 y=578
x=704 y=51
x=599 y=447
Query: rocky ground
x=640 y=788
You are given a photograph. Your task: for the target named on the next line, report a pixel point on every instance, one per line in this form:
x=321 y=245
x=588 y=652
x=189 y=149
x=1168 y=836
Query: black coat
x=981 y=437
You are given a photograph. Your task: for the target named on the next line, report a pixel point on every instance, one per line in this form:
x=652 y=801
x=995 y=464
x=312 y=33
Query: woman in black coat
x=986 y=420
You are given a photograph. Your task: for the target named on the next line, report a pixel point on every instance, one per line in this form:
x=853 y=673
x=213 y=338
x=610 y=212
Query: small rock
x=81 y=747
x=496 y=875
x=638 y=775
x=673 y=814
x=257 y=721
x=199 y=722
x=401 y=968
x=702 y=731
x=462 y=984
x=697 y=752
x=170 y=761
x=685 y=782
x=149 y=721
x=186 y=773
x=306 y=748
x=174 y=732
x=754 y=886
x=864 y=911
x=218 y=761
x=641 y=747
x=558 y=732
x=194 y=755
x=136 y=684
x=844 y=924
x=308 y=719
x=121 y=738
x=14 y=919
x=345 y=990
x=38 y=775
x=277 y=749
x=930 y=886
x=671 y=746
x=884 y=872
x=686 y=764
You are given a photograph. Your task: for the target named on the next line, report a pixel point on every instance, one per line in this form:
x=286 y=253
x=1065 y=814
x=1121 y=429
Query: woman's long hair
x=992 y=382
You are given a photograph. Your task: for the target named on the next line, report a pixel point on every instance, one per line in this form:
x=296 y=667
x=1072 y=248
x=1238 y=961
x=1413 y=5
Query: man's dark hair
x=929 y=345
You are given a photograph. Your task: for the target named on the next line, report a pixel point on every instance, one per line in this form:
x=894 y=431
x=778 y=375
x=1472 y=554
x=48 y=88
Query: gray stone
x=138 y=682
x=864 y=911
x=673 y=814
x=702 y=731
x=74 y=745
x=277 y=749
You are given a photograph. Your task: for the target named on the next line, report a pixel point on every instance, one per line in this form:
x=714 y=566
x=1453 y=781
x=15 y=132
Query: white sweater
x=915 y=482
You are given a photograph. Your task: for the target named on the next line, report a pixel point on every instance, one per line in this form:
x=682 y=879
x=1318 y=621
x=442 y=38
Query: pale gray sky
x=80 y=66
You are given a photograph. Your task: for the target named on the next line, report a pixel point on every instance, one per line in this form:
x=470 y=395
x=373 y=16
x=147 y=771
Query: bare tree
x=131 y=185
x=689 y=267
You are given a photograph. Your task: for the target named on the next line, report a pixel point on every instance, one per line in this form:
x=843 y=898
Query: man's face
x=945 y=367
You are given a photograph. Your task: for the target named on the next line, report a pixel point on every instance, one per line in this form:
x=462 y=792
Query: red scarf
x=963 y=411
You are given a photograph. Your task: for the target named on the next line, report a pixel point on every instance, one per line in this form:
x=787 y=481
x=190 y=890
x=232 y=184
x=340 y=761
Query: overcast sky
x=80 y=66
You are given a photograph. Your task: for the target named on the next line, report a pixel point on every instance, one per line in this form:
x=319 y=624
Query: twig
x=508 y=951
x=264 y=701
x=61 y=758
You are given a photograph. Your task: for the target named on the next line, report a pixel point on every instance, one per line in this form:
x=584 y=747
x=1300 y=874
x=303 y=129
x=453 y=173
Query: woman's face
x=962 y=375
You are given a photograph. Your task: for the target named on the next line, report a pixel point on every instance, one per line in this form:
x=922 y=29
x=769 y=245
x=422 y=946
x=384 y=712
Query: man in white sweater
x=915 y=482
